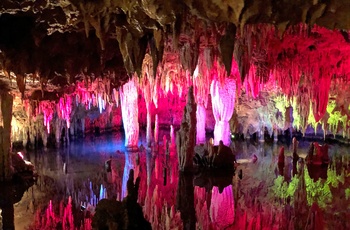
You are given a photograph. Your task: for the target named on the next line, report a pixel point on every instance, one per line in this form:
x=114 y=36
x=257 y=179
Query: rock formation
x=218 y=157
x=223 y=95
x=128 y=99
x=186 y=136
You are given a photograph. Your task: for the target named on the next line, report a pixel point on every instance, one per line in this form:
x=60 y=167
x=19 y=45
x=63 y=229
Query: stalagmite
x=129 y=105
x=185 y=137
x=223 y=102
x=5 y=136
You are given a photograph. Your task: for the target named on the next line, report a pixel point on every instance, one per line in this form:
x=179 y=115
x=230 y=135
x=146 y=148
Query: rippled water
x=72 y=180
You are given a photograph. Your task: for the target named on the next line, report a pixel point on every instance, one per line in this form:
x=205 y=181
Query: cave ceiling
x=53 y=43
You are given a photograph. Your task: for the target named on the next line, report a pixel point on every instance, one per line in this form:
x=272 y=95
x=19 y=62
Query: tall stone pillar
x=223 y=102
x=185 y=137
x=5 y=136
x=129 y=106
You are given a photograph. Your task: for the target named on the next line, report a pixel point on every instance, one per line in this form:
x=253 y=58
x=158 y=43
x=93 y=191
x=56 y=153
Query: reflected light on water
x=263 y=197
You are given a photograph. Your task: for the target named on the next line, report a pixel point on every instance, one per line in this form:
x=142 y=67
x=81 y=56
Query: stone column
x=129 y=106
x=5 y=136
x=185 y=137
x=223 y=102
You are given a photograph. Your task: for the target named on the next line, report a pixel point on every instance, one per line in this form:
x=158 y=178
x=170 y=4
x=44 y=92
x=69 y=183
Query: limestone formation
x=186 y=136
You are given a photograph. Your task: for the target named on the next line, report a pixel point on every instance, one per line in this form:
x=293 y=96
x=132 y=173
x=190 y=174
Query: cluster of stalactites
x=88 y=93
x=96 y=93
x=47 y=108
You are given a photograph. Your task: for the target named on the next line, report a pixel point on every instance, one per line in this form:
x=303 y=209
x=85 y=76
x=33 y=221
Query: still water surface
x=74 y=176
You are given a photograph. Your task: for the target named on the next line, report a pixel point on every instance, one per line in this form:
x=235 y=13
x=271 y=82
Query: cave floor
x=262 y=197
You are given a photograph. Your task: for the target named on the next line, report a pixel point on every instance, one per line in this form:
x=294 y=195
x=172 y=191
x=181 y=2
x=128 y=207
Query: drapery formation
x=129 y=106
x=223 y=102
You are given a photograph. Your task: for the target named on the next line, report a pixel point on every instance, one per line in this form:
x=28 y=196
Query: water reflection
x=257 y=195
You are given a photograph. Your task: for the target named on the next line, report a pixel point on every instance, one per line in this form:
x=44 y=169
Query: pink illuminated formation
x=223 y=102
x=201 y=116
x=64 y=109
x=129 y=106
x=222 y=209
x=48 y=109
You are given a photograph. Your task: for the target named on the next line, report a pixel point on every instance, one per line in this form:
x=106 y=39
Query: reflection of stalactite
x=130 y=163
x=222 y=211
x=185 y=201
x=129 y=105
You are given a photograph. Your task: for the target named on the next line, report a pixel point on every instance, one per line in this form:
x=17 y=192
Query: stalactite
x=64 y=108
x=48 y=109
x=129 y=106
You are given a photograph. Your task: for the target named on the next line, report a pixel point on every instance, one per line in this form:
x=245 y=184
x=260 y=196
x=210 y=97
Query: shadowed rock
x=127 y=214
